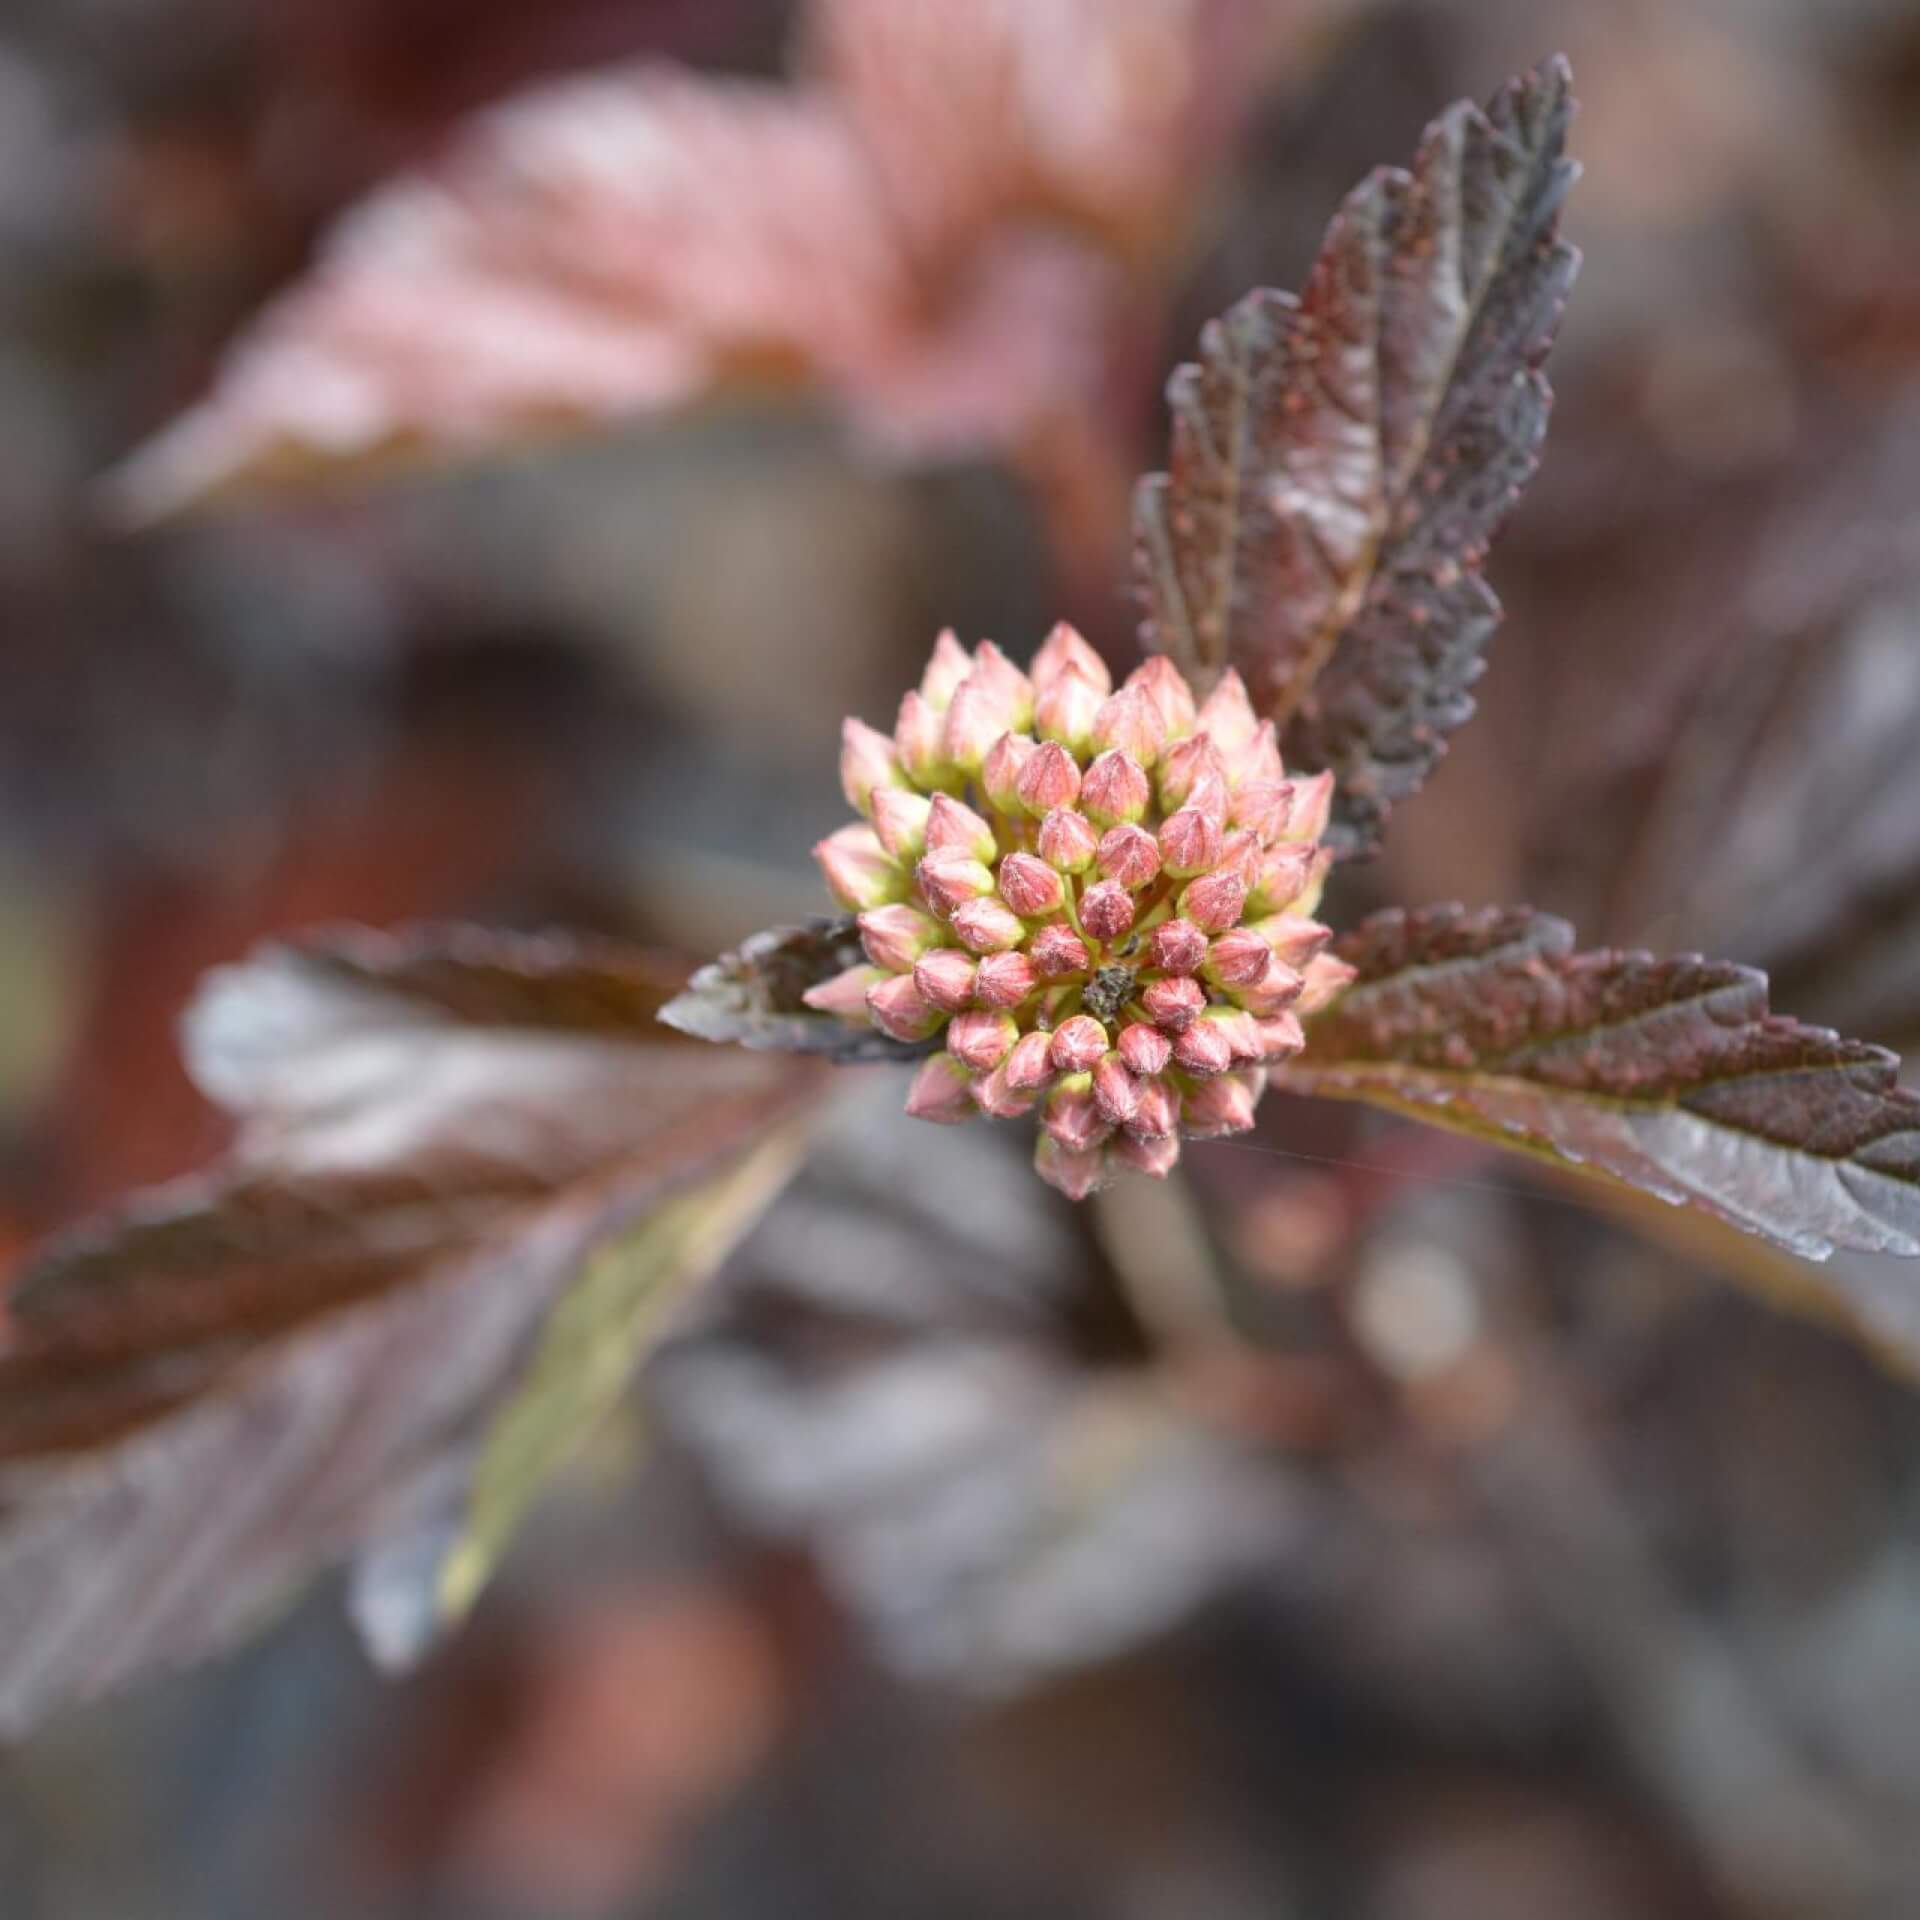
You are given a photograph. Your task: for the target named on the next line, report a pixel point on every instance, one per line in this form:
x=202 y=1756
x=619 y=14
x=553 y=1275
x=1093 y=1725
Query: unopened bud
x=1177 y=946
x=1130 y=723
x=1106 y=910
x=996 y=672
x=900 y=819
x=1116 y=790
x=1067 y=840
x=1218 y=1107
x=1158 y=1113
x=978 y=716
x=1005 y=979
x=1241 y=1028
x=1312 y=808
x=859 y=872
x=1071 y=1116
x=1116 y=1093
x=949 y=880
x=1215 y=901
x=1283 y=875
x=954 y=827
x=949 y=665
x=941 y=1092
x=980 y=1041
x=917 y=736
x=1129 y=856
x=1066 y=710
x=1064 y=651
x=1174 y=1004
x=867 y=760
x=1292 y=938
x=1075 y=1174
x=1281 y=1037
x=1157 y=1155
x=945 y=978
x=1029 y=886
x=1228 y=718
x=1146 y=1050
x=987 y=926
x=1307 y=900
x=1189 y=844
x=1240 y=855
x=1057 y=952
x=1051 y=778
x=1079 y=1045
x=1274 y=992
x=1000 y=771
x=1238 y=958
x=1264 y=807
x=895 y=937
x=1258 y=762
x=1326 y=979
x=898 y=1010
x=845 y=995
x=1203 y=1048
x=1164 y=684
x=1029 y=1066
x=997 y=1098
x=1192 y=774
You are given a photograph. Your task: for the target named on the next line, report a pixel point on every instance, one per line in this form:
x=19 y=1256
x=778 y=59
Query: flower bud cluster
x=1101 y=901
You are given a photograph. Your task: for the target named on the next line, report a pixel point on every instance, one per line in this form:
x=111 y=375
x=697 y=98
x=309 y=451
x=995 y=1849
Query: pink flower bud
x=1029 y=1066
x=1106 y=910
x=948 y=666
x=1307 y=900
x=1074 y=1174
x=1241 y=1028
x=845 y=995
x=916 y=739
x=1203 y=1048
x=1189 y=843
x=1240 y=855
x=1174 y=1003
x=1274 y=992
x=1129 y=856
x=997 y=1098
x=1237 y=959
x=1193 y=775
x=898 y=1010
x=1068 y=841
x=1215 y=901
x=1007 y=683
x=941 y=1092
x=1063 y=652
x=1157 y=1156
x=1066 y=710
x=1057 y=952
x=1281 y=1037
x=1116 y=1093
x=1284 y=874
x=1177 y=946
x=859 y=872
x=1263 y=807
x=1030 y=887
x=1228 y=718
x=867 y=760
x=1293 y=939
x=978 y=715
x=1163 y=684
x=900 y=820
x=1146 y=1050
x=954 y=827
x=1327 y=978
x=945 y=978
x=1312 y=808
x=1218 y=1107
x=895 y=937
x=1079 y=1045
x=1258 y=762
x=1072 y=1118
x=986 y=926
x=949 y=880
x=1158 y=1113
x=1050 y=779
x=1130 y=723
x=981 y=1041
x=1000 y=771
x=1116 y=790
x=1005 y=979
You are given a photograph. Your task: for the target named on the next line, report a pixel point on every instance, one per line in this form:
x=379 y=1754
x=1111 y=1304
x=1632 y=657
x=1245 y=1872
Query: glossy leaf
x=310 y=1351
x=1341 y=463
x=1671 y=1076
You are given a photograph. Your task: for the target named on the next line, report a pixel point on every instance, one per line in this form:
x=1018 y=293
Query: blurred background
x=962 y=1557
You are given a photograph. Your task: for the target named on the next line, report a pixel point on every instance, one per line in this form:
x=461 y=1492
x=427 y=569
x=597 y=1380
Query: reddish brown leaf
x=1668 y=1075
x=1341 y=463
x=303 y=1353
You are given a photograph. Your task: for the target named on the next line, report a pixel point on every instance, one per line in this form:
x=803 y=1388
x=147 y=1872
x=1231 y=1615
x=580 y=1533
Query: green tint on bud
x=1000 y=771
x=942 y=1092
x=845 y=995
x=1130 y=723
x=1064 y=652
x=986 y=926
x=899 y=1011
x=917 y=736
x=949 y=666
x=1029 y=886
x=1116 y=791
x=867 y=760
x=859 y=872
x=1066 y=710
x=900 y=820
x=1068 y=841
x=1164 y=684
x=1050 y=779
x=895 y=937
x=954 y=827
